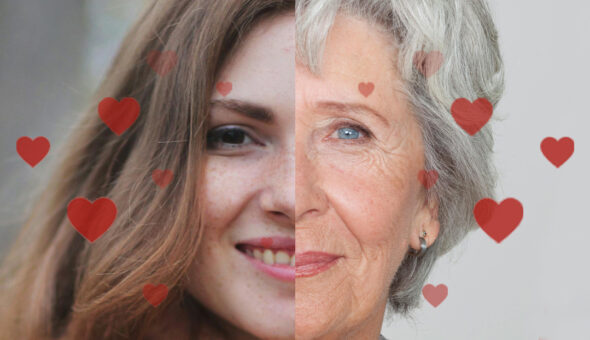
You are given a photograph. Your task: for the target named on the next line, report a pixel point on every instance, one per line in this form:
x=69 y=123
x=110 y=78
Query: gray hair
x=463 y=31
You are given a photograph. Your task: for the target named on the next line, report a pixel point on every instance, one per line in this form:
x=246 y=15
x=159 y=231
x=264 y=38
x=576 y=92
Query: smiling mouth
x=268 y=256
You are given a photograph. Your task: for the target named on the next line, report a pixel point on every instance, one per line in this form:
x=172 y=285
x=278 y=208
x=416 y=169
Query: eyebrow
x=357 y=108
x=247 y=109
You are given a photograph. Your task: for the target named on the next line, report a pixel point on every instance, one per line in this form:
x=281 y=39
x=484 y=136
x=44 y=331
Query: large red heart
x=162 y=177
x=162 y=62
x=155 y=294
x=118 y=116
x=498 y=220
x=557 y=152
x=366 y=88
x=92 y=219
x=223 y=87
x=435 y=295
x=471 y=116
x=32 y=151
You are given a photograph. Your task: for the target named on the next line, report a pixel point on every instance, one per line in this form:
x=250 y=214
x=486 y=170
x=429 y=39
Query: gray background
x=532 y=285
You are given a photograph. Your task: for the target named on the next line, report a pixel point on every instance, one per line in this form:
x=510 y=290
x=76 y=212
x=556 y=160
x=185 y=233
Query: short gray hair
x=463 y=31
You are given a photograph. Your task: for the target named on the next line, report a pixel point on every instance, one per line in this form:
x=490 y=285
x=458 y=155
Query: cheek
x=372 y=197
x=226 y=188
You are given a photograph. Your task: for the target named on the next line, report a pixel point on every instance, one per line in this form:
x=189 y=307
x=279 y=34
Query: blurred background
x=52 y=57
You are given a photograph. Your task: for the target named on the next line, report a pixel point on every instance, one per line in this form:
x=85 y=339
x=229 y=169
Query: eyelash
x=214 y=136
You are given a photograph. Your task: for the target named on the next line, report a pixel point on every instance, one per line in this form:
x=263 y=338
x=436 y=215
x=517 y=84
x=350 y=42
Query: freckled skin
x=359 y=200
x=249 y=192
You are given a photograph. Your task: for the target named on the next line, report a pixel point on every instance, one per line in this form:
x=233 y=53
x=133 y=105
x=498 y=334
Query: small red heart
x=428 y=63
x=435 y=295
x=223 y=87
x=118 y=116
x=266 y=242
x=92 y=220
x=557 y=152
x=32 y=151
x=498 y=220
x=366 y=88
x=155 y=294
x=471 y=116
x=162 y=177
x=162 y=62
x=428 y=178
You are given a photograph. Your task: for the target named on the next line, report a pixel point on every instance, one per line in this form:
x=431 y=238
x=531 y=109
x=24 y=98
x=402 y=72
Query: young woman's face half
x=244 y=272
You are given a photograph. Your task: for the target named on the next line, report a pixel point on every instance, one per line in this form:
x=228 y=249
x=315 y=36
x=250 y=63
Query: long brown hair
x=56 y=284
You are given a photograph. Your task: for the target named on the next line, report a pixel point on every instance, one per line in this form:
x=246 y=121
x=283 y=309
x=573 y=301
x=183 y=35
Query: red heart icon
x=428 y=178
x=366 y=88
x=162 y=177
x=92 y=219
x=223 y=87
x=162 y=62
x=498 y=220
x=557 y=152
x=472 y=116
x=435 y=295
x=266 y=242
x=428 y=63
x=155 y=294
x=118 y=116
x=32 y=151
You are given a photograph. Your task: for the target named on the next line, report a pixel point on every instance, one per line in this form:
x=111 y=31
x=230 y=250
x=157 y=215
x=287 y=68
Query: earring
x=422 y=246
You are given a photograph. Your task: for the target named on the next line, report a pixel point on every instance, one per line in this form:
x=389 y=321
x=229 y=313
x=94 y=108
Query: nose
x=310 y=199
x=278 y=198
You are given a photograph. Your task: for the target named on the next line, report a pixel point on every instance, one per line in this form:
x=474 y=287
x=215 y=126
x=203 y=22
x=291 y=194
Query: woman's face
x=359 y=202
x=244 y=272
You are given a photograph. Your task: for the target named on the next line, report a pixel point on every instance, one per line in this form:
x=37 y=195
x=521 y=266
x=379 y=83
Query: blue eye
x=228 y=137
x=349 y=133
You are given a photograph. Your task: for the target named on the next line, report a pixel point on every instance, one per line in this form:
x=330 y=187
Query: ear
x=426 y=220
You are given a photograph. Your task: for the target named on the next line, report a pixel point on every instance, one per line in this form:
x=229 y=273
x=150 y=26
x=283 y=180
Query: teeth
x=281 y=257
x=268 y=257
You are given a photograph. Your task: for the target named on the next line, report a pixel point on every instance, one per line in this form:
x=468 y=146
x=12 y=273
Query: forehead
x=262 y=69
x=355 y=52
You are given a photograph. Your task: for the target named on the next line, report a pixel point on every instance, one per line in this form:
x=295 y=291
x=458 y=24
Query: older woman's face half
x=359 y=204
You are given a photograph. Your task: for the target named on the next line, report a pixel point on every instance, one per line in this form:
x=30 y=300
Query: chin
x=273 y=329
x=310 y=325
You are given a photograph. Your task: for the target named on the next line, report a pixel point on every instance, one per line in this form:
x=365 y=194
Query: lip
x=312 y=263
x=282 y=272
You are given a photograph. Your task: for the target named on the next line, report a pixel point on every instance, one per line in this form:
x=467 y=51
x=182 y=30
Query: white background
x=534 y=284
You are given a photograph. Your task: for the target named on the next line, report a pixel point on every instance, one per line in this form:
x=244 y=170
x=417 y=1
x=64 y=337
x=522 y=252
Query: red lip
x=312 y=263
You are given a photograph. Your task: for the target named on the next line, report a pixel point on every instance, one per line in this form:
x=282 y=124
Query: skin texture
x=359 y=198
x=249 y=191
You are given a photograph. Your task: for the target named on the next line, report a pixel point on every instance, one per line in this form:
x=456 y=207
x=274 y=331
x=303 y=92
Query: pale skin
x=249 y=190
x=357 y=188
